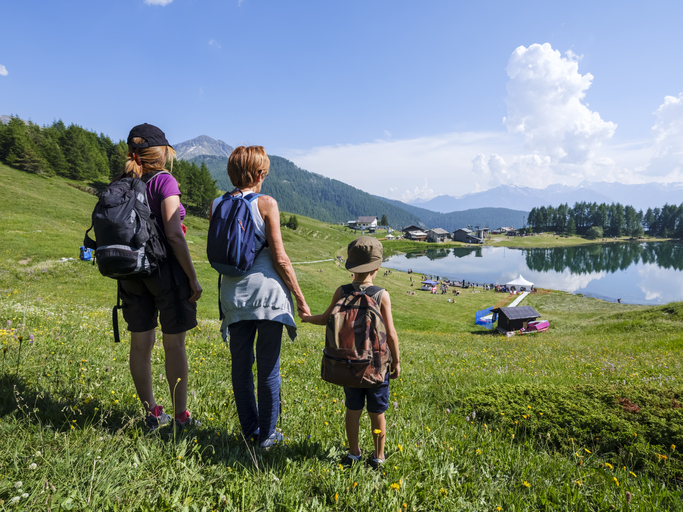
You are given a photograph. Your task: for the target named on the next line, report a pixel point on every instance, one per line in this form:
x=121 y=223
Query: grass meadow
x=587 y=416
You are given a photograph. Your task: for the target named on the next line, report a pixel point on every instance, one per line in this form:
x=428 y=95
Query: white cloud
x=3 y=70
x=545 y=94
x=668 y=138
x=398 y=168
x=215 y=44
x=158 y=2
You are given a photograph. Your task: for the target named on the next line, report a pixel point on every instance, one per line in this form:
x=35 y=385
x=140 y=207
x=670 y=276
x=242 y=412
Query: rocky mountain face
x=202 y=145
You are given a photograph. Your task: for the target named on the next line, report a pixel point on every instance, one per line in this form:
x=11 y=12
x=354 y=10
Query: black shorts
x=166 y=293
x=378 y=398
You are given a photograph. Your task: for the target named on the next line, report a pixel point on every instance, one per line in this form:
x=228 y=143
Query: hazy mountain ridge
x=642 y=196
x=305 y=193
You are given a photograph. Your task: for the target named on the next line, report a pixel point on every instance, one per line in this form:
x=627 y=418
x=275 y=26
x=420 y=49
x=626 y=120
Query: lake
x=637 y=273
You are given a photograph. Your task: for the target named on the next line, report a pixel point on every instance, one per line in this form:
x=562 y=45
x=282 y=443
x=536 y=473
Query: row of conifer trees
x=82 y=155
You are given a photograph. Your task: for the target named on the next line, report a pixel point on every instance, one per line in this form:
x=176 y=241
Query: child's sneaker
x=374 y=462
x=350 y=460
x=156 y=418
x=275 y=438
x=187 y=422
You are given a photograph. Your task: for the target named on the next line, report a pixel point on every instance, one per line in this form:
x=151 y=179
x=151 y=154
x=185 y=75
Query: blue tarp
x=485 y=318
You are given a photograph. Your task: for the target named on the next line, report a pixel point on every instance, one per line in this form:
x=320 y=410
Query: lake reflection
x=638 y=273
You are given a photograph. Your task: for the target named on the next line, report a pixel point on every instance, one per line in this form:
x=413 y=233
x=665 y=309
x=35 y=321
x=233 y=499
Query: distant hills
x=305 y=193
x=640 y=196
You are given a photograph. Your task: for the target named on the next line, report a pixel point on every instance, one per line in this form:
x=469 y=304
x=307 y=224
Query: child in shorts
x=364 y=260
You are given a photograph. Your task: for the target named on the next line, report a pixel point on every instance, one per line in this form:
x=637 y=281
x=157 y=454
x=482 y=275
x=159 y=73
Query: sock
x=156 y=410
x=182 y=417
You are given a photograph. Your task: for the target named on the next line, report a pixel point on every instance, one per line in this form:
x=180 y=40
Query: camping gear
x=485 y=317
x=513 y=319
x=128 y=243
x=86 y=254
x=428 y=285
x=520 y=283
x=536 y=326
x=231 y=243
x=356 y=352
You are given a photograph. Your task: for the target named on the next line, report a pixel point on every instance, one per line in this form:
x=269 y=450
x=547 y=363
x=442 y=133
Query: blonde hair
x=245 y=163
x=151 y=159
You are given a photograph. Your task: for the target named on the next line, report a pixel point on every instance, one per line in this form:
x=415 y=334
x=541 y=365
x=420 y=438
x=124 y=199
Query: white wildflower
x=25 y=495
x=33 y=466
x=15 y=499
x=18 y=484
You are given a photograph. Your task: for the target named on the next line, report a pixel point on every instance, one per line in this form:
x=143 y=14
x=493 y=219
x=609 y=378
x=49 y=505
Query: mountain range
x=641 y=196
x=305 y=193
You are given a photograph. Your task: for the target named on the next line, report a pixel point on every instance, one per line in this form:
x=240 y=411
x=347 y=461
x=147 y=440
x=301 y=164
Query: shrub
x=594 y=232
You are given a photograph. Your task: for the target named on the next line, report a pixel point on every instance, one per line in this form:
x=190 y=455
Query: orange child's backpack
x=356 y=352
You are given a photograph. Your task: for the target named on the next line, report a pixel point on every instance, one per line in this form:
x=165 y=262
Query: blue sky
x=402 y=99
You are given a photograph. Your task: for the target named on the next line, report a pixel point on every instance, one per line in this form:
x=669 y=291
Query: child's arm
x=322 y=319
x=392 y=337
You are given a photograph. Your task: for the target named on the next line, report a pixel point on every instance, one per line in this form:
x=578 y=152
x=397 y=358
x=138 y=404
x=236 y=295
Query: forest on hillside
x=79 y=154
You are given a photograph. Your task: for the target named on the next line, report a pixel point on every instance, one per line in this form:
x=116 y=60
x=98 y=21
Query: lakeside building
x=467 y=236
x=363 y=223
x=437 y=235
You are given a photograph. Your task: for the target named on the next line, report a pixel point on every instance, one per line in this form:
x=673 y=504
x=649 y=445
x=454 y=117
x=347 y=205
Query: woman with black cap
x=171 y=293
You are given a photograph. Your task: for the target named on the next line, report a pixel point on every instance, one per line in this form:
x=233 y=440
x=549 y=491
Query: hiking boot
x=350 y=460
x=253 y=438
x=375 y=463
x=154 y=422
x=275 y=438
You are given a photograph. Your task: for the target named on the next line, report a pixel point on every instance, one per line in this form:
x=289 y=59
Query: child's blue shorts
x=378 y=398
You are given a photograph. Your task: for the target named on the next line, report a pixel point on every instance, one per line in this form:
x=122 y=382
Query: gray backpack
x=128 y=243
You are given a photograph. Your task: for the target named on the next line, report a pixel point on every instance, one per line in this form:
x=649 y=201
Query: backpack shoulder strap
x=146 y=178
x=346 y=289
x=251 y=197
x=375 y=291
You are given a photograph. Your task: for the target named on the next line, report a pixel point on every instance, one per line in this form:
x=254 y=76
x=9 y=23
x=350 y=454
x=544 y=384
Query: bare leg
x=141 y=344
x=378 y=423
x=176 y=370
x=352 y=428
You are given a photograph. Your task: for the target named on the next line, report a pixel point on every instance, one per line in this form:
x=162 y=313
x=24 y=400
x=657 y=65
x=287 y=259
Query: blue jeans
x=268 y=373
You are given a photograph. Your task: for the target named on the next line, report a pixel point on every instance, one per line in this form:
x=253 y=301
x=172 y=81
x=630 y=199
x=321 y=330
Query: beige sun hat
x=364 y=255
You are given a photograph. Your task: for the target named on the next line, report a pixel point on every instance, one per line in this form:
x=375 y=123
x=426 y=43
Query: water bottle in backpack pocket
x=231 y=242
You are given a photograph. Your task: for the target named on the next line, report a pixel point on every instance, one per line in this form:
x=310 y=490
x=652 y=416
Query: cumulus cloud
x=544 y=101
x=158 y=2
x=398 y=168
x=668 y=138
x=3 y=70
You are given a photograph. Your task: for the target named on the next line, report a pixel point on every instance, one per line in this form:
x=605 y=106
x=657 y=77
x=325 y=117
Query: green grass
x=554 y=423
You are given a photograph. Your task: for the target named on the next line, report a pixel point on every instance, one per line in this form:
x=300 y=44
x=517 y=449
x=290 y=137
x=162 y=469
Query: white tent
x=519 y=282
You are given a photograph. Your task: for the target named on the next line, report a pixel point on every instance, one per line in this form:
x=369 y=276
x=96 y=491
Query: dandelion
x=376 y=431
x=632 y=474
x=336 y=496
x=355 y=484
x=526 y=484
x=587 y=450
x=326 y=423
x=33 y=466
x=616 y=482
x=673 y=447
x=478 y=451
x=444 y=492
x=395 y=487
x=578 y=483
x=400 y=448
x=608 y=465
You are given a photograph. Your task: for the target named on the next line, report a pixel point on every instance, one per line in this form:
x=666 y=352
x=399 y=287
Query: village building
x=410 y=228
x=364 y=223
x=416 y=236
x=437 y=235
x=467 y=236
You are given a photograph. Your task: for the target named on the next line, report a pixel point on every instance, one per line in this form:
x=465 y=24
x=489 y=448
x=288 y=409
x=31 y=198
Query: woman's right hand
x=196 y=290
x=302 y=309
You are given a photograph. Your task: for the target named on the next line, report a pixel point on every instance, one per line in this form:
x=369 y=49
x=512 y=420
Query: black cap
x=153 y=136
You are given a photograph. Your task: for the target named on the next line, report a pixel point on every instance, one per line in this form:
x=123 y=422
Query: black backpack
x=128 y=243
